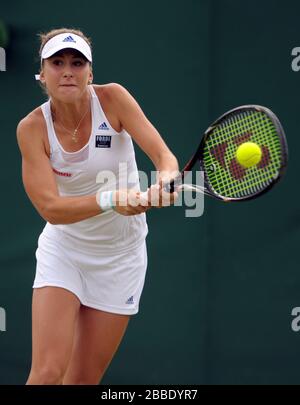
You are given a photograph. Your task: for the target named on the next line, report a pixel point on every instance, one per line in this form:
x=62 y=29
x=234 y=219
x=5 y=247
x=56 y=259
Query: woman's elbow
x=49 y=217
x=49 y=213
x=53 y=221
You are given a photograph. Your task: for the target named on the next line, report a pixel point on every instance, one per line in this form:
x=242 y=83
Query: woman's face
x=66 y=75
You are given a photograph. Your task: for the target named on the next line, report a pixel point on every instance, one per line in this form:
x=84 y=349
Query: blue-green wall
x=220 y=288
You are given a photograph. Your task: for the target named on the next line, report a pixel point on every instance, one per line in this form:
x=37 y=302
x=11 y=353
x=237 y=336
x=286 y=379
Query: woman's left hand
x=157 y=197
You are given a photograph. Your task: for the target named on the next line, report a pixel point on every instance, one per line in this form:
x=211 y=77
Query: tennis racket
x=224 y=177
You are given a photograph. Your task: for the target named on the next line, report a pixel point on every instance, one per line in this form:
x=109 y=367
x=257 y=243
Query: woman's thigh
x=97 y=337
x=54 y=313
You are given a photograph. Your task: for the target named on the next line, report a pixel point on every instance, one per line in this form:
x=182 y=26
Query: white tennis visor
x=65 y=41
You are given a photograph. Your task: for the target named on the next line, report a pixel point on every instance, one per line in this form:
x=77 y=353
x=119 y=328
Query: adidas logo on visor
x=69 y=39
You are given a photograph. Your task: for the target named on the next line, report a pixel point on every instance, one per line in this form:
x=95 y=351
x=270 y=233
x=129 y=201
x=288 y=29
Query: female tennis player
x=77 y=154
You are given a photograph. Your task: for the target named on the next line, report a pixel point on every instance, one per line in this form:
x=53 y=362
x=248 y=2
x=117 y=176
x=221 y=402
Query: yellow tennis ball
x=248 y=154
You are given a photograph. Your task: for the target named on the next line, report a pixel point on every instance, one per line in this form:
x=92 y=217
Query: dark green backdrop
x=218 y=297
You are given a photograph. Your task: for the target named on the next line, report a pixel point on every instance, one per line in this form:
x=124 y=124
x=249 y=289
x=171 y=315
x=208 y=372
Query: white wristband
x=105 y=200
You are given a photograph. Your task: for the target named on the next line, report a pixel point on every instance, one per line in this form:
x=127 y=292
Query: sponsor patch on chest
x=103 y=141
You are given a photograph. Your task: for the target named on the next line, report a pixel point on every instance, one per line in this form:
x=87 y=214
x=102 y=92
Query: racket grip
x=170 y=187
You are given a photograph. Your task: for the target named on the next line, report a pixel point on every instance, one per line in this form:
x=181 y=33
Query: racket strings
x=229 y=178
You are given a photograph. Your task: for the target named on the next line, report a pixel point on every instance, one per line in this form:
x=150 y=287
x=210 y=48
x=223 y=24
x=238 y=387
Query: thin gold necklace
x=74 y=133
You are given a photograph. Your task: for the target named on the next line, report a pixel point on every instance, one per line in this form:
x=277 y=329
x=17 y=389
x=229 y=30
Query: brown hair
x=45 y=37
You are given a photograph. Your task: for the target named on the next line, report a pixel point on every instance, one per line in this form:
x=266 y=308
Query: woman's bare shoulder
x=32 y=121
x=109 y=91
x=32 y=128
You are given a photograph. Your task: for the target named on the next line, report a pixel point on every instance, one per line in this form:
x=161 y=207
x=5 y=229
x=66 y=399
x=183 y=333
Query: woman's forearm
x=167 y=167
x=68 y=210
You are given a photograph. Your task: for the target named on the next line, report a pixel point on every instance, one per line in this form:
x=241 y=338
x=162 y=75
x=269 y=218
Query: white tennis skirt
x=111 y=283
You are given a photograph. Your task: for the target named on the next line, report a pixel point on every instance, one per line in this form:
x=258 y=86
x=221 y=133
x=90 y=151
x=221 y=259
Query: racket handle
x=170 y=187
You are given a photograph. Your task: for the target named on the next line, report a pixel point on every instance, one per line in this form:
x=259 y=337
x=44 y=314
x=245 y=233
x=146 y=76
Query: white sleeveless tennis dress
x=102 y=259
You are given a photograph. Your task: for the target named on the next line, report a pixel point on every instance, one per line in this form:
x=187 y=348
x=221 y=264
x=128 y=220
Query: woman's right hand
x=127 y=202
